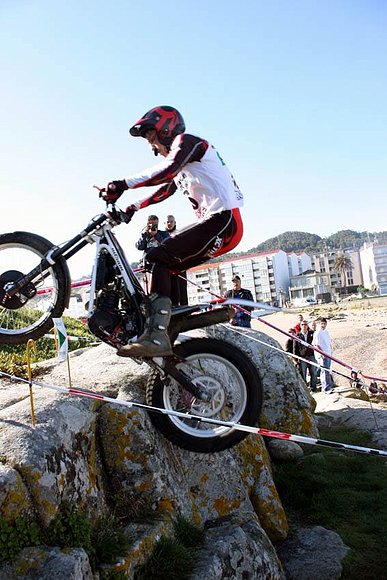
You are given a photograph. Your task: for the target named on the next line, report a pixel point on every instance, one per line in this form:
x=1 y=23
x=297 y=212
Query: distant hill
x=298 y=241
x=312 y=243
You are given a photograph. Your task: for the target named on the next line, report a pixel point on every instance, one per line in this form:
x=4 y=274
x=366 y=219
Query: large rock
x=313 y=552
x=237 y=552
x=105 y=456
x=47 y=564
x=56 y=459
x=288 y=405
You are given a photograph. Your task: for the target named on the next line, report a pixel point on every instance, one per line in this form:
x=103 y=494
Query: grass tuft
x=188 y=534
x=169 y=560
x=173 y=558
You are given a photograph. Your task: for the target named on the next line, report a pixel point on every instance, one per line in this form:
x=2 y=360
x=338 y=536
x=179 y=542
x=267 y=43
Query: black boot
x=155 y=340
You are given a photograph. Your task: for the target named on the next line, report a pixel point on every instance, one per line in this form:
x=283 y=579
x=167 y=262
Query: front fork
x=167 y=367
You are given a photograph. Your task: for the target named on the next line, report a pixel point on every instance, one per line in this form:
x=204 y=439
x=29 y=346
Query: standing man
x=170 y=224
x=240 y=318
x=322 y=340
x=151 y=236
x=179 y=294
x=297 y=327
x=308 y=354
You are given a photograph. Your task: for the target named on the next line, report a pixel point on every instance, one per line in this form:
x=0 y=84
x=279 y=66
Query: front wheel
x=226 y=374
x=28 y=314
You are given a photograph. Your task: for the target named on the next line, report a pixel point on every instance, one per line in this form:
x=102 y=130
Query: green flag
x=62 y=339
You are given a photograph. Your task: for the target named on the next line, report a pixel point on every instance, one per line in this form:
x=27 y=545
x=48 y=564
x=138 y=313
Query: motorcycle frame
x=106 y=240
x=98 y=231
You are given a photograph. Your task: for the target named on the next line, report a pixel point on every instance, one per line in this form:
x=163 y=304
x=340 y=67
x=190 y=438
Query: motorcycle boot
x=154 y=341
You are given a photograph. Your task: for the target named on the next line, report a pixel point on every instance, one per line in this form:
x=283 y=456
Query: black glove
x=114 y=190
x=130 y=211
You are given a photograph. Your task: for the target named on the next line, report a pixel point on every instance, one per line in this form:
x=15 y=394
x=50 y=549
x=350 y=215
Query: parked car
x=307 y=301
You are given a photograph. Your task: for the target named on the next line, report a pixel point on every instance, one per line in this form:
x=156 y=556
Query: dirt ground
x=358 y=330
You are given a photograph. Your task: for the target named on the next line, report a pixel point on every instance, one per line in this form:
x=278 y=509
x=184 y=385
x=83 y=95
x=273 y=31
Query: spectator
x=240 y=318
x=302 y=350
x=179 y=296
x=290 y=346
x=322 y=340
x=170 y=224
x=151 y=237
x=297 y=327
x=313 y=327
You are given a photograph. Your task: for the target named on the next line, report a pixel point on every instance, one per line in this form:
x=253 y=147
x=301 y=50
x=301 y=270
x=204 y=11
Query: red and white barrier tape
x=245 y=428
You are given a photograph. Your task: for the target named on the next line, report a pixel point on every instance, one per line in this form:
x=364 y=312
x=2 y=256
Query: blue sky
x=293 y=93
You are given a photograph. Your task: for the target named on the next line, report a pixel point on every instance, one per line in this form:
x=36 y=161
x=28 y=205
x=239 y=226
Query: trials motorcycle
x=205 y=377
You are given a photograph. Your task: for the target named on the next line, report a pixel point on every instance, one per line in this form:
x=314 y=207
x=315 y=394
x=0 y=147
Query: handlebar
x=119 y=216
x=101 y=190
x=116 y=214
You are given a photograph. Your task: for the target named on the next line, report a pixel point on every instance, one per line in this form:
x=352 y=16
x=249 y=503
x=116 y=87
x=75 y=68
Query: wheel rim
x=38 y=309
x=216 y=376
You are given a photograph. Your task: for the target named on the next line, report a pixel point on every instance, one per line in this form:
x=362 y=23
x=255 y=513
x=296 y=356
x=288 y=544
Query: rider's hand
x=130 y=211
x=114 y=190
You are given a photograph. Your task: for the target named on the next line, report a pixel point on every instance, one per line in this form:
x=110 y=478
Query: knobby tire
x=212 y=361
x=12 y=330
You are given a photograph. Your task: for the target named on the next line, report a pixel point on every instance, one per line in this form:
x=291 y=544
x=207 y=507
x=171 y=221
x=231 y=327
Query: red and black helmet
x=167 y=121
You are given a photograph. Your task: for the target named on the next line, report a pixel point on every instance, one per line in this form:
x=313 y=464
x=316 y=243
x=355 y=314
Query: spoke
x=222 y=381
x=18 y=259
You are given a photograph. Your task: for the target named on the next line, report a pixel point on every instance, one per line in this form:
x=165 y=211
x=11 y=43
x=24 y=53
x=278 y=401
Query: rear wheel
x=28 y=314
x=234 y=386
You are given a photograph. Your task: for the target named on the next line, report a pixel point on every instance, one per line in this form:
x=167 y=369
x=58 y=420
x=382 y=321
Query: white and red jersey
x=194 y=167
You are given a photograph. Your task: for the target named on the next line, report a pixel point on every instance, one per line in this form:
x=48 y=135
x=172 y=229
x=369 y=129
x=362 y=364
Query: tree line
x=294 y=241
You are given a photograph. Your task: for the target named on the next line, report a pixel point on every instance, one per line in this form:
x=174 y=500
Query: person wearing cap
x=239 y=317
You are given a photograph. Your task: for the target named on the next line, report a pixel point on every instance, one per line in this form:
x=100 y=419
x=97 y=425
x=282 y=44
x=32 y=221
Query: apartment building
x=266 y=275
x=373 y=258
x=298 y=263
x=309 y=284
x=324 y=261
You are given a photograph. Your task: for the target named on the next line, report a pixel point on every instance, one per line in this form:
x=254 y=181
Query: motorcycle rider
x=193 y=166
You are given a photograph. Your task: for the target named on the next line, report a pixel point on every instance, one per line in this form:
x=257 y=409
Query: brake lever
x=116 y=214
x=101 y=190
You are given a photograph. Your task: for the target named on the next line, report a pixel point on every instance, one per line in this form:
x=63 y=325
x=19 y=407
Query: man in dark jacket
x=179 y=295
x=151 y=237
x=308 y=354
x=240 y=318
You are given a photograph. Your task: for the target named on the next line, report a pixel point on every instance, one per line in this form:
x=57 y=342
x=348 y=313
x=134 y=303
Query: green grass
x=343 y=491
x=13 y=359
x=173 y=558
x=169 y=560
x=104 y=539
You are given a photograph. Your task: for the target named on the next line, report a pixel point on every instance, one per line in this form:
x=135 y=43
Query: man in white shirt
x=322 y=340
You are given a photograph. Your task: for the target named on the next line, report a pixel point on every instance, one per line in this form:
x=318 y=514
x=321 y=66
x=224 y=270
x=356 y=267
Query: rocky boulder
x=104 y=457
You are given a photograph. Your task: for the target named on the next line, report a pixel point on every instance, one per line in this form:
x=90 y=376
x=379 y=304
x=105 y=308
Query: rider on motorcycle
x=194 y=166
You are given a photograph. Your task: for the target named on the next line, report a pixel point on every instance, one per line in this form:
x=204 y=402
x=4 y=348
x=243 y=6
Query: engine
x=109 y=322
